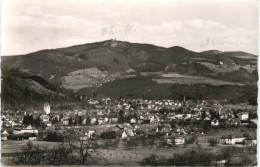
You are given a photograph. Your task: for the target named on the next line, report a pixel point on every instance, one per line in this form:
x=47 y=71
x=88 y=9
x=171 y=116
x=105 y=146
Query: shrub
x=54 y=137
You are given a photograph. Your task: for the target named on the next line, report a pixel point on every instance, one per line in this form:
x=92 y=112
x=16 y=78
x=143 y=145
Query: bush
x=108 y=135
x=189 y=158
x=54 y=137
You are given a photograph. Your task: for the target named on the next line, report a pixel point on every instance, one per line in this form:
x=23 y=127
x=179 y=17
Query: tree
x=152 y=160
x=54 y=120
x=28 y=119
x=86 y=149
x=54 y=137
x=88 y=121
x=75 y=122
x=121 y=116
x=212 y=142
x=70 y=121
x=227 y=153
x=59 y=155
x=80 y=120
x=173 y=124
x=31 y=155
x=135 y=116
x=40 y=155
x=203 y=115
x=37 y=122
x=108 y=135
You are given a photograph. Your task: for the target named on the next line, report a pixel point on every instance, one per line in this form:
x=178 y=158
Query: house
x=44 y=117
x=133 y=121
x=254 y=121
x=6 y=124
x=121 y=127
x=127 y=133
x=4 y=135
x=139 y=132
x=101 y=121
x=187 y=116
x=47 y=123
x=222 y=140
x=220 y=163
x=65 y=121
x=32 y=137
x=250 y=141
x=83 y=138
x=239 y=140
x=124 y=135
x=235 y=121
x=17 y=129
x=90 y=133
x=179 y=116
x=113 y=120
x=170 y=140
x=179 y=140
x=93 y=121
x=5 y=132
x=230 y=140
x=215 y=122
x=165 y=130
x=16 y=123
x=181 y=131
x=243 y=116
x=29 y=130
x=151 y=118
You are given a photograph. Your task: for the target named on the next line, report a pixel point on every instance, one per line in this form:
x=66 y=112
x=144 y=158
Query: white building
x=230 y=140
x=179 y=140
x=243 y=116
x=215 y=122
x=45 y=117
x=47 y=108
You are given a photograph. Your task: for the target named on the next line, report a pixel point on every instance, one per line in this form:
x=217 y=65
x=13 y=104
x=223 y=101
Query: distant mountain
x=211 y=52
x=97 y=65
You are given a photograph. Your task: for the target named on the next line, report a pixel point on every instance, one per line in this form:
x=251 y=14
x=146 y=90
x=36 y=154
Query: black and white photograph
x=129 y=82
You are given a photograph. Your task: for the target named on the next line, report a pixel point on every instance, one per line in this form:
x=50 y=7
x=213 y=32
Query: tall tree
x=87 y=149
x=212 y=142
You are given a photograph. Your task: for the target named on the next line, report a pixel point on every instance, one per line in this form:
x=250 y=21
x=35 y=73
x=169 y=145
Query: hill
x=105 y=66
x=21 y=90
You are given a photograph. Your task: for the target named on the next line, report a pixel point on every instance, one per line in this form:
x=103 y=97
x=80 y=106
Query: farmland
x=125 y=156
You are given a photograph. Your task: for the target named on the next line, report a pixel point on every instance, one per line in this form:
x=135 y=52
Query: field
x=123 y=156
x=173 y=78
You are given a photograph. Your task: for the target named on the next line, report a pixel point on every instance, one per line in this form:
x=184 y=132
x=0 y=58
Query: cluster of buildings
x=127 y=118
x=231 y=140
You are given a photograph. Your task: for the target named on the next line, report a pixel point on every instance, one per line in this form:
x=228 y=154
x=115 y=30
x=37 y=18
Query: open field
x=123 y=156
x=173 y=78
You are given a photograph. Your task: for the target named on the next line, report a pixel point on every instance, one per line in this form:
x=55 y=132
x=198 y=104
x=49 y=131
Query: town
x=161 y=124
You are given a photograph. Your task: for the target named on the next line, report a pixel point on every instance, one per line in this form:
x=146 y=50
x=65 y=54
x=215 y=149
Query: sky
x=198 y=25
